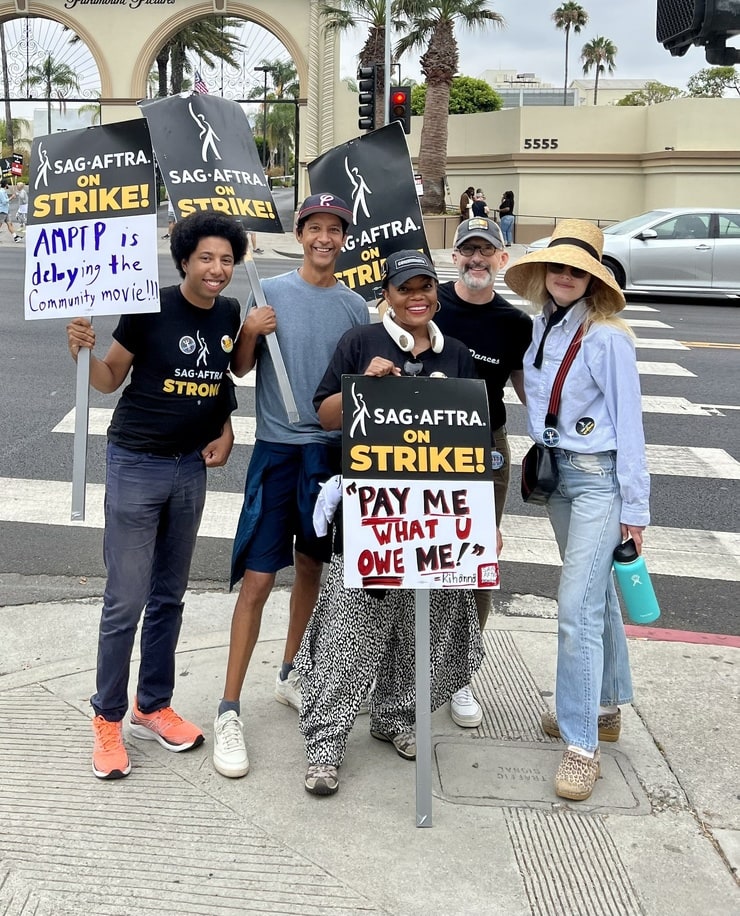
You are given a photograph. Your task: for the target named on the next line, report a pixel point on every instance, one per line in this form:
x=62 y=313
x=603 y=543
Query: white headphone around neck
x=405 y=340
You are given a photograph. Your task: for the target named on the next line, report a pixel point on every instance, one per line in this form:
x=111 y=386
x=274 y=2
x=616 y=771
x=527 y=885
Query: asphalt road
x=38 y=386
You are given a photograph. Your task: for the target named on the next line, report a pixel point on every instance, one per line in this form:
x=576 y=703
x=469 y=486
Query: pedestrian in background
x=506 y=217
x=479 y=207
x=5 y=199
x=602 y=496
x=21 y=194
x=466 y=203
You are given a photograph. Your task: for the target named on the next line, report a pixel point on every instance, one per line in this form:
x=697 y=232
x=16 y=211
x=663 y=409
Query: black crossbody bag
x=539 y=466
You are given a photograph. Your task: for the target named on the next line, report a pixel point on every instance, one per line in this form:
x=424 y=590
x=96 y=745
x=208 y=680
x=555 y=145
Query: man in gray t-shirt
x=308 y=311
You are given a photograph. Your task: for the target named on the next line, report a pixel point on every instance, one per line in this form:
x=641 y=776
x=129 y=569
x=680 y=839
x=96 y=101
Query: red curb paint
x=699 y=639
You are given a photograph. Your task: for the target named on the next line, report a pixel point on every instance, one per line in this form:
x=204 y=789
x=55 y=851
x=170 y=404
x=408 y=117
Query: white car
x=694 y=251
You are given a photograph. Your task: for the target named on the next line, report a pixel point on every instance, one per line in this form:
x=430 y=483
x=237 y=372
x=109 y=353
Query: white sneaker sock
x=608 y=710
x=580 y=750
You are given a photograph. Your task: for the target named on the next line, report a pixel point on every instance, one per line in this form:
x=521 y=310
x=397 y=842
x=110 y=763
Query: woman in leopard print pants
x=356 y=637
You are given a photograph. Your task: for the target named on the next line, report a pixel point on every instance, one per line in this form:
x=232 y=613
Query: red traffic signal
x=400 y=107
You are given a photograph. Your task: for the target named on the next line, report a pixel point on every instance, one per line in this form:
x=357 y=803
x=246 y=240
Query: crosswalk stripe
x=527 y=539
x=669 y=460
x=674 y=406
x=646 y=323
x=649 y=343
x=648 y=368
x=99 y=420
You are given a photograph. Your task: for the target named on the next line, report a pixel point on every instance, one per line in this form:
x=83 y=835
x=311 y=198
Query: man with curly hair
x=171 y=423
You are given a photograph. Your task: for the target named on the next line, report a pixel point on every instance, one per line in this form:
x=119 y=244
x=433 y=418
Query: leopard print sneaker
x=610 y=725
x=577 y=775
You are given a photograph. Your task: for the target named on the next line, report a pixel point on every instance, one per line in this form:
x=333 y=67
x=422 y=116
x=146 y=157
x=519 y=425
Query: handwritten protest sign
x=373 y=172
x=418 y=499
x=92 y=226
x=209 y=160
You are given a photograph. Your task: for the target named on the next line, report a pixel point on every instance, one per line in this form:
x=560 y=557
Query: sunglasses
x=576 y=272
x=412 y=368
x=468 y=251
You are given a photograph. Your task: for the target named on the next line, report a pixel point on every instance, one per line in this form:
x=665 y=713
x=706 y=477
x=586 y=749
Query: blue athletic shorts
x=280 y=493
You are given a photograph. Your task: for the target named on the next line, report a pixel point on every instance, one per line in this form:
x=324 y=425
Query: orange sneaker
x=110 y=760
x=165 y=726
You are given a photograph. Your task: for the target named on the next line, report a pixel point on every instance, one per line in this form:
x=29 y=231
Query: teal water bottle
x=634 y=584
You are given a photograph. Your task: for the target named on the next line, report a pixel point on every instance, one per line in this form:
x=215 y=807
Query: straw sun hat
x=574 y=242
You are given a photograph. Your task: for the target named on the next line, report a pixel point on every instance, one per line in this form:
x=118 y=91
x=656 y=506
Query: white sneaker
x=465 y=709
x=229 y=750
x=288 y=692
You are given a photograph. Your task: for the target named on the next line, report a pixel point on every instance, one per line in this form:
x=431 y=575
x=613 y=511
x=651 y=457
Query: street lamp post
x=264 y=70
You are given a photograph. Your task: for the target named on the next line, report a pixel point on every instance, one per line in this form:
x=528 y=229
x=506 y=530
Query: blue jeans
x=507 y=227
x=153 y=508
x=593 y=664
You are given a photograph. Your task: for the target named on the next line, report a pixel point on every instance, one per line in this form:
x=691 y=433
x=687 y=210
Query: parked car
x=694 y=251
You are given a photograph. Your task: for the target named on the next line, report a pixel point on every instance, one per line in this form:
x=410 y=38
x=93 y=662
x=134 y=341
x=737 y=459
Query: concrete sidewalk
x=660 y=835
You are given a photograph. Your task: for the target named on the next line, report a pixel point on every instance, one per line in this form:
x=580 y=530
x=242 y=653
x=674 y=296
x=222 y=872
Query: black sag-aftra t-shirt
x=171 y=403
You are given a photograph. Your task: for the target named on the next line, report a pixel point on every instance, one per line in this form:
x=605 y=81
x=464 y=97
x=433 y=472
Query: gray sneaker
x=288 y=692
x=321 y=779
x=229 y=750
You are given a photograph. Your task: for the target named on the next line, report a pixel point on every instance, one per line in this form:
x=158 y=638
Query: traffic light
x=367 y=85
x=681 y=23
x=401 y=107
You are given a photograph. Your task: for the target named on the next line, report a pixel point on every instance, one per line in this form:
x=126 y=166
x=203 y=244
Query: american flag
x=200 y=85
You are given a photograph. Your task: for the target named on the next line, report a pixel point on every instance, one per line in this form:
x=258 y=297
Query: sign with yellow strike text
x=209 y=160
x=91 y=242
x=373 y=172
x=417 y=501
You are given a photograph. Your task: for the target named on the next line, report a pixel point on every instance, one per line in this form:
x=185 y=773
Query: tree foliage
x=652 y=93
x=55 y=79
x=598 y=54
x=277 y=122
x=713 y=82
x=347 y=15
x=209 y=38
x=569 y=16
x=467 y=96
x=431 y=25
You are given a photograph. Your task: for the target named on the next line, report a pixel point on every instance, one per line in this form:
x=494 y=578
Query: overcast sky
x=530 y=43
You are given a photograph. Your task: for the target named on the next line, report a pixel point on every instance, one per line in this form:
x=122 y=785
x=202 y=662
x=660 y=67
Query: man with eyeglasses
x=498 y=335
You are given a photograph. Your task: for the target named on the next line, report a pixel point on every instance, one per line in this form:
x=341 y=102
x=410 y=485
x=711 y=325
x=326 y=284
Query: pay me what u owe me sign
x=417 y=499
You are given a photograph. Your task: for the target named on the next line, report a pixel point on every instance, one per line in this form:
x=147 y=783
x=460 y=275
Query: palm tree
x=4 y=64
x=278 y=123
x=569 y=16
x=19 y=130
x=598 y=53
x=56 y=79
x=92 y=109
x=209 y=39
x=432 y=22
x=352 y=13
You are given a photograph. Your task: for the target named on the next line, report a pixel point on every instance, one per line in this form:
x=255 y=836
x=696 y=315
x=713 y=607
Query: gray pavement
x=660 y=835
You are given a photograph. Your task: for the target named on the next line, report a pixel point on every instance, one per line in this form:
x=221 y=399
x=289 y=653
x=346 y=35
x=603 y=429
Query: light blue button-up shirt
x=600 y=407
